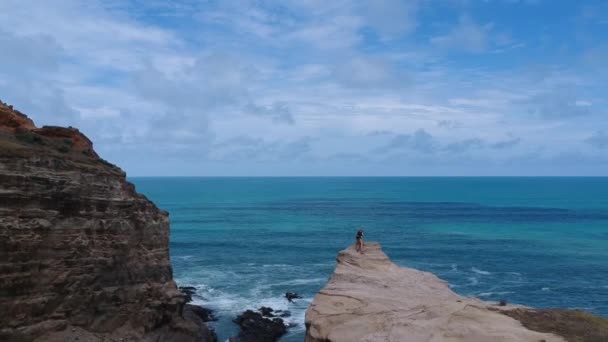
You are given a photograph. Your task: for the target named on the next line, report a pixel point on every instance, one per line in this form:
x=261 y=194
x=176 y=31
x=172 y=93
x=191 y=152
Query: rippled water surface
x=243 y=242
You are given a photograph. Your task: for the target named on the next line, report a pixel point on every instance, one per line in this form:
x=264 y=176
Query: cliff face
x=369 y=298
x=80 y=250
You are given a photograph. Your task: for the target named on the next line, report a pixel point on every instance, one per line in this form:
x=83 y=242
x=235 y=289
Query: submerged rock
x=369 y=298
x=283 y=313
x=257 y=328
x=290 y=296
x=266 y=311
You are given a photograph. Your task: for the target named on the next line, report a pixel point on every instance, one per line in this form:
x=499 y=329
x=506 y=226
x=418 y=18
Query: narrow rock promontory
x=369 y=298
x=83 y=256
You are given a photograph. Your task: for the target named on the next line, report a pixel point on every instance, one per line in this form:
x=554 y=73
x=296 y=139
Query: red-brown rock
x=11 y=120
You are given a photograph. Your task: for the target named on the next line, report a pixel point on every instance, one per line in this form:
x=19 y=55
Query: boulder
x=266 y=311
x=290 y=296
x=205 y=314
x=256 y=328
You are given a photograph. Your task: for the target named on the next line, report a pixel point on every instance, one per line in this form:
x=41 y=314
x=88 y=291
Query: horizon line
x=381 y=176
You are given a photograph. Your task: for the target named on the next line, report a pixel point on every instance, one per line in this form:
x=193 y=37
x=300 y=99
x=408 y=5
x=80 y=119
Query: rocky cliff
x=369 y=298
x=81 y=252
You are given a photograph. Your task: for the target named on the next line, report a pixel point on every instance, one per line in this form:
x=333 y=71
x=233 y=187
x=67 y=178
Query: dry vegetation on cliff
x=573 y=325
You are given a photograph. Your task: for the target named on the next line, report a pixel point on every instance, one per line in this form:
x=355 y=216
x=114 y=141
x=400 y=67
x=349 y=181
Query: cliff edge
x=82 y=254
x=369 y=298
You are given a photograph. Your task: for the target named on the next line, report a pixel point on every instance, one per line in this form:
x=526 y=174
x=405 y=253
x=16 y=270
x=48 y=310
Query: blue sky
x=250 y=88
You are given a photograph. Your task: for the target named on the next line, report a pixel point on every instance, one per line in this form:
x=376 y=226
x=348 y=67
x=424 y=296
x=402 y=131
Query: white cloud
x=418 y=141
x=369 y=73
x=599 y=140
x=466 y=36
x=338 y=32
x=261 y=150
x=310 y=82
x=391 y=18
x=279 y=112
x=557 y=103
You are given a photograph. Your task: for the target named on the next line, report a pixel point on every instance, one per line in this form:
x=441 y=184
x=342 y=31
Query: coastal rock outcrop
x=369 y=298
x=81 y=252
x=261 y=326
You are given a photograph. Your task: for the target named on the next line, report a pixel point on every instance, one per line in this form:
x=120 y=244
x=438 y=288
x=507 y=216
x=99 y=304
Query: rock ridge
x=81 y=252
x=369 y=298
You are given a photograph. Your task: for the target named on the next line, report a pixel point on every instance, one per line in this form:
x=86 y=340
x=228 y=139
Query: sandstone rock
x=369 y=298
x=72 y=138
x=79 y=247
x=12 y=120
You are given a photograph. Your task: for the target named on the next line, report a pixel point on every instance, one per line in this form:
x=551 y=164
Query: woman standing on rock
x=359 y=244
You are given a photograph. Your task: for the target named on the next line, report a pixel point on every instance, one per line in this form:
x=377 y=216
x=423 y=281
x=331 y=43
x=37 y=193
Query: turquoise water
x=243 y=242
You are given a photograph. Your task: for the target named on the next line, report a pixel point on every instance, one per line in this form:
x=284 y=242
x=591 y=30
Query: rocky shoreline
x=84 y=257
x=369 y=298
x=264 y=324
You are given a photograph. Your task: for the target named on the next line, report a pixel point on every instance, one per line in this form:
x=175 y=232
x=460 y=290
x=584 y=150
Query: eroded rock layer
x=80 y=250
x=369 y=298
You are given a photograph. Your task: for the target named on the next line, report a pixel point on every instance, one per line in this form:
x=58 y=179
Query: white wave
x=277 y=265
x=454 y=268
x=325 y=264
x=487 y=294
x=583 y=308
x=230 y=304
x=473 y=280
x=304 y=281
x=545 y=289
x=213 y=275
x=478 y=271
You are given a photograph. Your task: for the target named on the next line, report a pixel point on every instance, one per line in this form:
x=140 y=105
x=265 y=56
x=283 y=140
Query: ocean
x=244 y=242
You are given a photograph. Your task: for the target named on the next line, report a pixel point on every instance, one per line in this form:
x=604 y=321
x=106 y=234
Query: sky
x=318 y=88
